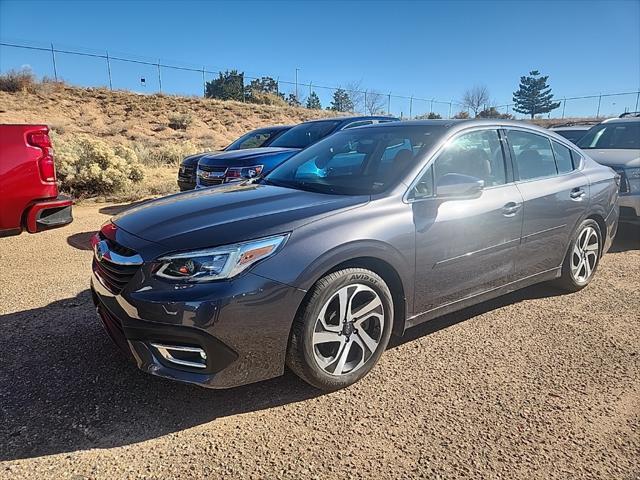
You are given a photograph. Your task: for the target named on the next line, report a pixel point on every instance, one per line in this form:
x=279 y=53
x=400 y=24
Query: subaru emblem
x=101 y=249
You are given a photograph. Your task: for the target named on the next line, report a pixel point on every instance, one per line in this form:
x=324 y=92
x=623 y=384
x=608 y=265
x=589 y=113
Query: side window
x=424 y=187
x=533 y=155
x=359 y=124
x=478 y=154
x=563 y=157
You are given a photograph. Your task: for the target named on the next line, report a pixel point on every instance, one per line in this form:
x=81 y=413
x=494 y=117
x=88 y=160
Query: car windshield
x=620 y=135
x=254 y=139
x=303 y=135
x=362 y=161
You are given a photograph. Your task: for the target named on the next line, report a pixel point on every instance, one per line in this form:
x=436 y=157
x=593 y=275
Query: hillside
x=161 y=129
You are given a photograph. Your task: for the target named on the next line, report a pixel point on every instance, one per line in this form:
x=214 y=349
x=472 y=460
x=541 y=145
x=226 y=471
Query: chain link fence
x=128 y=72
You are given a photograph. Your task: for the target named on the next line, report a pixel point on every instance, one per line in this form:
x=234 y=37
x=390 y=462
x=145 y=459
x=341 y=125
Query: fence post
x=637 y=98
x=599 y=100
x=389 y=104
x=109 y=71
x=204 y=84
x=53 y=57
x=411 y=107
x=564 y=105
x=365 y=101
x=449 y=110
x=159 y=76
x=431 y=107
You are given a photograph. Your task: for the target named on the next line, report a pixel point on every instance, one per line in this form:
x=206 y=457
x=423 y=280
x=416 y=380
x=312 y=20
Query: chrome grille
x=116 y=267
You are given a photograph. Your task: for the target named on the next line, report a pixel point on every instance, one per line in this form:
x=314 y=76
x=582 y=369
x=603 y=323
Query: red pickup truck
x=28 y=191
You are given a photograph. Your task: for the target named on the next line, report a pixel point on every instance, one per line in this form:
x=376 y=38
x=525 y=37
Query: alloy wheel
x=584 y=256
x=348 y=329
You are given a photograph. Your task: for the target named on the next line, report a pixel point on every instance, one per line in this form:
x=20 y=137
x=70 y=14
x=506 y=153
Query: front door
x=465 y=247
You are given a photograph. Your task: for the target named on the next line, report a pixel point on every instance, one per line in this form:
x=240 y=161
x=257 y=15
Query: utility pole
x=53 y=57
x=204 y=84
x=159 y=76
x=564 y=105
x=109 y=71
x=389 y=104
x=599 y=100
x=297 y=69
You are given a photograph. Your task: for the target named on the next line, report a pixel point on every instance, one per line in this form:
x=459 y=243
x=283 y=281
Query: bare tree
x=476 y=98
x=374 y=102
x=354 y=90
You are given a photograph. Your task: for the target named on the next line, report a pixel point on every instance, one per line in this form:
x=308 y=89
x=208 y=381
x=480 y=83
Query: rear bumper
x=629 y=208
x=47 y=214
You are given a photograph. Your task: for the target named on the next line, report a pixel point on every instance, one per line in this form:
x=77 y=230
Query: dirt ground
x=536 y=384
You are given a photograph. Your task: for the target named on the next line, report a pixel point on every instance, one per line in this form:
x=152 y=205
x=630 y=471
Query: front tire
x=342 y=329
x=582 y=258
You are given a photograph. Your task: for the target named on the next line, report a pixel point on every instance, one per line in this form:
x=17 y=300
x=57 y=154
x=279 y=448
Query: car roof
x=355 y=118
x=457 y=125
x=571 y=127
x=622 y=120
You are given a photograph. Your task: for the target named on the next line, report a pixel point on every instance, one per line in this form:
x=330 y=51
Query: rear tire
x=341 y=330
x=582 y=258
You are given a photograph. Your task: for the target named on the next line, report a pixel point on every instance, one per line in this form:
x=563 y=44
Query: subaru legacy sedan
x=360 y=236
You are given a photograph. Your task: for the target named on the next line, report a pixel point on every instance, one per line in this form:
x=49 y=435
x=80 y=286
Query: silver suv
x=616 y=143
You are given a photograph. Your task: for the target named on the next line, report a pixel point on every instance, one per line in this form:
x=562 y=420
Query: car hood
x=228 y=214
x=629 y=158
x=192 y=160
x=246 y=157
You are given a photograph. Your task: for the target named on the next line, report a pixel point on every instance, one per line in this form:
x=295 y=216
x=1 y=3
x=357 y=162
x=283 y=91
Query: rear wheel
x=582 y=257
x=342 y=329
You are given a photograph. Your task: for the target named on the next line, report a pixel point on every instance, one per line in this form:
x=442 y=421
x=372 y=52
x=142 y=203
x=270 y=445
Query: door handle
x=510 y=209
x=577 y=193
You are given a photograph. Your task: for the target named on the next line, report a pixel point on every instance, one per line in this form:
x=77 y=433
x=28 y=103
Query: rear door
x=555 y=195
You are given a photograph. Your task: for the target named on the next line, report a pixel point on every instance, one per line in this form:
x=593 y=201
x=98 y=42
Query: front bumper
x=186 y=183
x=242 y=325
x=46 y=214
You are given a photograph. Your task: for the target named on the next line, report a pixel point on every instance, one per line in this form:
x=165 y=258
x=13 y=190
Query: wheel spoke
x=587 y=267
x=326 y=337
x=579 y=267
x=360 y=315
x=342 y=356
x=370 y=343
x=585 y=238
x=592 y=248
x=576 y=251
x=343 y=299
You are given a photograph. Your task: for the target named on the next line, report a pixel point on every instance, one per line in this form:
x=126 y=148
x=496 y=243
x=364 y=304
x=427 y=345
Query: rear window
x=617 y=135
x=305 y=134
x=533 y=154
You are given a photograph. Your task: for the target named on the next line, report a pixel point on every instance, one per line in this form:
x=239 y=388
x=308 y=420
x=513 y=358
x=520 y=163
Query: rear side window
x=533 y=155
x=563 y=157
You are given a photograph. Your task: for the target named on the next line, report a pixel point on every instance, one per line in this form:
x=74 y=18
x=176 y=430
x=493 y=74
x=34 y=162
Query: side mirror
x=455 y=185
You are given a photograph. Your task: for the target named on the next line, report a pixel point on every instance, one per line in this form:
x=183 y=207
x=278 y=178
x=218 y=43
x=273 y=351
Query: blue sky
x=430 y=49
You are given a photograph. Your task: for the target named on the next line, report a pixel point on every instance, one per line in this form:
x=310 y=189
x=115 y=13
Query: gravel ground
x=532 y=385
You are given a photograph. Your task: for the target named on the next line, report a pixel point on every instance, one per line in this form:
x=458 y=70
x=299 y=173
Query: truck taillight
x=46 y=165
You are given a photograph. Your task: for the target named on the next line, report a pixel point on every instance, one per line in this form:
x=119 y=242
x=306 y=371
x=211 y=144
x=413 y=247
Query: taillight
x=46 y=165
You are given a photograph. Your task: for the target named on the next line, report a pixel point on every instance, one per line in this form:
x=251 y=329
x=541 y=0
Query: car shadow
x=117 y=209
x=627 y=238
x=81 y=240
x=65 y=387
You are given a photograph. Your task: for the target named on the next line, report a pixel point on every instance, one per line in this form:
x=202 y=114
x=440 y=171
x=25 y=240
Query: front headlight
x=218 y=263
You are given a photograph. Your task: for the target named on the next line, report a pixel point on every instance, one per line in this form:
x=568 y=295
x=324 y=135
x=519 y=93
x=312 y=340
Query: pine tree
x=228 y=86
x=341 y=101
x=534 y=95
x=293 y=101
x=313 y=102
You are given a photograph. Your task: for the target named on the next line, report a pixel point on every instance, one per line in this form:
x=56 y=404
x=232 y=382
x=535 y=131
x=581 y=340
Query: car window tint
x=478 y=154
x=359 y=124
x=424 y=186
x=533 y=155
x=564 y=163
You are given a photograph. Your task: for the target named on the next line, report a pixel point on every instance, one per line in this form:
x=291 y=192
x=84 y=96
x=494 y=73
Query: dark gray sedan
x=360 y=236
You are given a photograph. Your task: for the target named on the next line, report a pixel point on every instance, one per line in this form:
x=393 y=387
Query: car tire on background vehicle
x=582 y=258
x=341 y=329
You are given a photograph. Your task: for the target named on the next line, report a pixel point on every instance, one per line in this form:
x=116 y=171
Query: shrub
x=264 y=98
x=88 y=166
x=18 y=81
x=180 y=121
x=170 y=153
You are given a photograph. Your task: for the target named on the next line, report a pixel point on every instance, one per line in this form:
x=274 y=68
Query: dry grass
x=145 y=123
